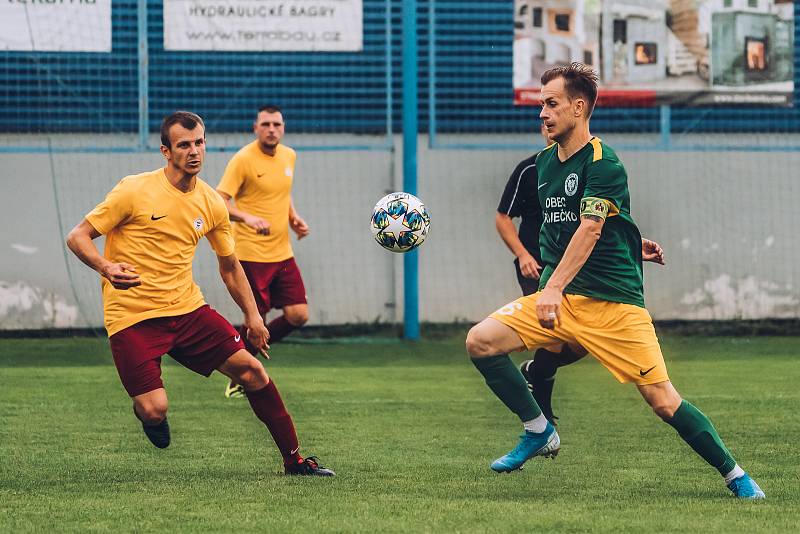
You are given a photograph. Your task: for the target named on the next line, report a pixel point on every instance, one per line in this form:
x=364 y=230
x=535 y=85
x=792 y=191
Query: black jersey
x=520 y=199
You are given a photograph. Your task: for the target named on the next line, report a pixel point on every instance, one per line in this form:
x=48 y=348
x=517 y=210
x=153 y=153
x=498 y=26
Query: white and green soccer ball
x=400 y=222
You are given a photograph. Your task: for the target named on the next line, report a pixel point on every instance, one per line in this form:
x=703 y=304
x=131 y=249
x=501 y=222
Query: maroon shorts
x=200 y=340
x=275 y=284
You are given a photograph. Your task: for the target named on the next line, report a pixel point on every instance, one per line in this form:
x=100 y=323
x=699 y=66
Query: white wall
x=726 y=220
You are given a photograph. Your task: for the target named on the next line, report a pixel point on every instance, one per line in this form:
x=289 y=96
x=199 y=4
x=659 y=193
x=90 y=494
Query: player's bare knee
x=478 y=343
x=253 y=376
x=662 y=398
x=664 y=408
x=151 y=413
x=297 y=317
x=664 y=411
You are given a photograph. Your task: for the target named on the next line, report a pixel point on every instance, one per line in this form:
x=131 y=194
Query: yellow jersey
x=155 y=227
x=261 y=185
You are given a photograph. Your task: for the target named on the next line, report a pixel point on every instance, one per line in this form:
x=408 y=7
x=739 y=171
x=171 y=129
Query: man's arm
x=296 y=222
x=260 y=225
x=508 y=233
x=80 y=242
x=548 y=305
x=233 y=276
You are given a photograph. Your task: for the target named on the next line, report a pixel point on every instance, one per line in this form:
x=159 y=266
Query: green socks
x=508 y=384
x=696 y=430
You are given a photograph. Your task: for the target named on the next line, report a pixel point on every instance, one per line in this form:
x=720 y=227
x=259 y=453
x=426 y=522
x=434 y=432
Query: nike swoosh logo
x=295 y=451
x=542 y=185
x=154 y=218
x=643 y=373
x=237 y=338
x=260 y=174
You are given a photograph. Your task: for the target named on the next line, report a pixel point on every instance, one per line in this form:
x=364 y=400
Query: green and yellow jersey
x=591 y=182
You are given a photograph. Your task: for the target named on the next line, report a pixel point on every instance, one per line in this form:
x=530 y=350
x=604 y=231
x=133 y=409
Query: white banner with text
x=76 y=26
x=264 y=25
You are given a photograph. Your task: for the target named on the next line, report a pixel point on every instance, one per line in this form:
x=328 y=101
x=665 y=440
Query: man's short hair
x=270 y=108
x=187 y=119
x=579 y=80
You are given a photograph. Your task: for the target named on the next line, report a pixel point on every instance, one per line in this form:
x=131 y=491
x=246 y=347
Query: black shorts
x=529 y=286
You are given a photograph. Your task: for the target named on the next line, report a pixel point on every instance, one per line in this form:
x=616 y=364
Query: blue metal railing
x=465 y=83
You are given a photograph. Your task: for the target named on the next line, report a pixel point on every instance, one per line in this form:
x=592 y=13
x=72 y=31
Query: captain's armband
x=599 y=208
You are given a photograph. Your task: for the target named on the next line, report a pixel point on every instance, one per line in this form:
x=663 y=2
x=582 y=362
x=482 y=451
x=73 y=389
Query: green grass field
x=410 y=430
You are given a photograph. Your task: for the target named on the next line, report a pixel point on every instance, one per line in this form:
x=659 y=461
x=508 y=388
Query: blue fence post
x=410 y=127
x=144 y=82
x=432 y=73
x=666 y=127
x=389 y=77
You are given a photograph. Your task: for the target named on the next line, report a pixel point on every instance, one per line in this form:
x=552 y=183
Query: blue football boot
x=745 y=487
x=546 y=444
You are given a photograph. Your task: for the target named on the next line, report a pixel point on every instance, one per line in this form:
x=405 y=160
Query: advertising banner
x=55 y=26
x=649 y=52
x=264 y=25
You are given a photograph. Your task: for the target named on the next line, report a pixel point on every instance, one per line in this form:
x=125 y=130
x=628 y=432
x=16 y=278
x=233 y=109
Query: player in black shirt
x=521 y=199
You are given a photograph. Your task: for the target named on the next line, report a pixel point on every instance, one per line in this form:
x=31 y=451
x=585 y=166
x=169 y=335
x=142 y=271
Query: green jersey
x=594 y=175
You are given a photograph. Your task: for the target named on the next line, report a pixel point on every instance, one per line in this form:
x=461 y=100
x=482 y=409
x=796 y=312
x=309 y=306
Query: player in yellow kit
x=153 y=222
x=257 y=187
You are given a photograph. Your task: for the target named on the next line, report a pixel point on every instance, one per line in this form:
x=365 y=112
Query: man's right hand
x=529 y=267
x=121 y=275
x=258 y=335
x=548 y=307
x=258 y=224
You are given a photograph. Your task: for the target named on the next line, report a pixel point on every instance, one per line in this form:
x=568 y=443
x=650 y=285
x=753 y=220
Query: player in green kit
x=591 y=289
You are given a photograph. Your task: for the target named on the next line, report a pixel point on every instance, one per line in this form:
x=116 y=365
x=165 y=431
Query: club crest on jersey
x=571 y=185
x=198 y=224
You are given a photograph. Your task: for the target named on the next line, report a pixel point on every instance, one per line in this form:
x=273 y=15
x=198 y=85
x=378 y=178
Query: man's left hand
x=299 y=226
x=652 y=251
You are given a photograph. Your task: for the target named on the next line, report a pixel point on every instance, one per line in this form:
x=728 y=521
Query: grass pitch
x=409 y=428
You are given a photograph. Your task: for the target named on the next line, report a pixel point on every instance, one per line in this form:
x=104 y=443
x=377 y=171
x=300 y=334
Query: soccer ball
x=400 y=222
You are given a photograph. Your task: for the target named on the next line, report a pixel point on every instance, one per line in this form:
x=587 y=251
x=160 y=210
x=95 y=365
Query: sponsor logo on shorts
x=642 y=372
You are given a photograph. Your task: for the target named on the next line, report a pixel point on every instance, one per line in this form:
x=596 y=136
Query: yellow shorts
x=620 y=336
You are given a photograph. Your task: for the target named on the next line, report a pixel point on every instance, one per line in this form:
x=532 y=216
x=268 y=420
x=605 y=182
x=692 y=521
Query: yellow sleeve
x=233 y=178
x=114 y=210
x=221 y=235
